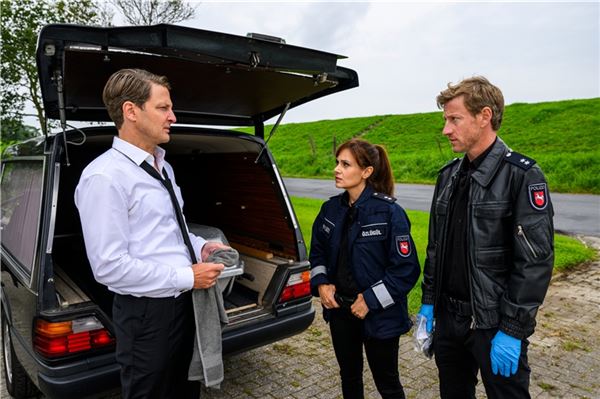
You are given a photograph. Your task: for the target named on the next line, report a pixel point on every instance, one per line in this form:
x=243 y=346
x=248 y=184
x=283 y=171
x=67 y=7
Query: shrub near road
x=563 y=137
x=568 y=251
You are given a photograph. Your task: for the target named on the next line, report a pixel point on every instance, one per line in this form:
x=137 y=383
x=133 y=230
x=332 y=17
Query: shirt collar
x=137 y=155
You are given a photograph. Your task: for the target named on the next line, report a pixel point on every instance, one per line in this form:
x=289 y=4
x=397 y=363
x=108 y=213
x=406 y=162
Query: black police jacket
x=382 y=259
x=510 y=240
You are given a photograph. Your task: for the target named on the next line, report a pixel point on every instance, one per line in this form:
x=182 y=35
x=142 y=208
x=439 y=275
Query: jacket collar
x=364 y=196
x=490 y=165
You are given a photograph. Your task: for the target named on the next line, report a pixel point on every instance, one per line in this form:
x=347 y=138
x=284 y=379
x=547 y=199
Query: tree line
x=22 y=20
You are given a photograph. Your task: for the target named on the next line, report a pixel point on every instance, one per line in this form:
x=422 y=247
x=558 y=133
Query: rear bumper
x=269 y=331
x=64 y=382
x=88 y=384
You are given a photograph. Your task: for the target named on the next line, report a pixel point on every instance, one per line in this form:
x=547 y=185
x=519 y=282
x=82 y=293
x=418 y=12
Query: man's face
x=156 y=116
x=462 y=129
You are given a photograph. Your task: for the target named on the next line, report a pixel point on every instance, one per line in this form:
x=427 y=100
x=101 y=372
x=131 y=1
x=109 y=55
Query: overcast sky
x=405 y=53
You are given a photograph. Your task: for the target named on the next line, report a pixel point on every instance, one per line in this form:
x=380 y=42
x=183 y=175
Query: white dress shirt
x=132 y=238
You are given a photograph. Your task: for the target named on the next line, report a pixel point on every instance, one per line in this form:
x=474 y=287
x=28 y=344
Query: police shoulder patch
x=538 y=196
x=383 y=197
x=519 y=160
x=403 y=246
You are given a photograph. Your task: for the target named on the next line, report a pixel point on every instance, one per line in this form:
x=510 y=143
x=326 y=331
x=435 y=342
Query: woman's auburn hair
x=374 y=155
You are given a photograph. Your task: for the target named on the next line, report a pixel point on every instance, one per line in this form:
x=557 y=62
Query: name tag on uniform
x=373 y=232
x=327 y=227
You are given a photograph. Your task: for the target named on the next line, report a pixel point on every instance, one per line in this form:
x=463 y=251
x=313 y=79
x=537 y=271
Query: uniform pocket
x=493 y=268
x=536 y=239
x=441 y=208
x=494 y=258
x=492 y=210
x=492 y=225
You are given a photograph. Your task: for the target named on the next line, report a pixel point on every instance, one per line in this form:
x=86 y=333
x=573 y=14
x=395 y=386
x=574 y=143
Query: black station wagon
x=56 y=319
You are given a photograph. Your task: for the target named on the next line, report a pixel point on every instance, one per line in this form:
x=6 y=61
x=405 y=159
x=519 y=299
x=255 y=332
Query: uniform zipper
x=521 y=233
x=469 y=228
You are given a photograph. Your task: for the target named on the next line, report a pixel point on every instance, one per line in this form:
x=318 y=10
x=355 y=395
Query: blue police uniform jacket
x=382 y=258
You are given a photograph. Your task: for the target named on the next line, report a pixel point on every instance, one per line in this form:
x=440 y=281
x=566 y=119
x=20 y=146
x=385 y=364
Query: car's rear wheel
x=17 y=381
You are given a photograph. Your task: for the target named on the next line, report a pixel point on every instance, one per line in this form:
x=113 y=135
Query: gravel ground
x=564 y=354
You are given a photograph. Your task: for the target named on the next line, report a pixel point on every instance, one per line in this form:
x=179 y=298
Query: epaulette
x=519 y=159
x=449 y=163
x=383 y=197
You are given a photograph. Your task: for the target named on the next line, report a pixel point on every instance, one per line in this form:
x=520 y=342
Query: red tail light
x=101 y=337
x=298 y=286
x=55 y=339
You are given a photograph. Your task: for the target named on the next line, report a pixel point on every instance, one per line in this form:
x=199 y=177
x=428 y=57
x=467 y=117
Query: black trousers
x=155 y=338
x=382 y=355
x=460 y=352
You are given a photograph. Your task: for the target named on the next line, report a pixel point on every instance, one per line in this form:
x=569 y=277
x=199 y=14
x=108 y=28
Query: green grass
x=568 y=251
x=571 y=345
x=563 y=137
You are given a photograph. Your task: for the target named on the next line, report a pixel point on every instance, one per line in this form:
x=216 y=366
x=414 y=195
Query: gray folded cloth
x=209 y=311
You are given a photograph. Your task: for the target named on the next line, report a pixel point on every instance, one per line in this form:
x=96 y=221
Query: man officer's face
x=462 y=129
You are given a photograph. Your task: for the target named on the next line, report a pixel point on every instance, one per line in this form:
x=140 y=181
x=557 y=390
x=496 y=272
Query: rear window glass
x=21 y=209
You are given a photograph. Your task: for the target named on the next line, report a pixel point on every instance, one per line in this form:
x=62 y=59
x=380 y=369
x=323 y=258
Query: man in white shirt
x=135 y=242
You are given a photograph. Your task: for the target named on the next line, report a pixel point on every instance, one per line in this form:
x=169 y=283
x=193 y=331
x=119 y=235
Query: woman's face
x=348 y=174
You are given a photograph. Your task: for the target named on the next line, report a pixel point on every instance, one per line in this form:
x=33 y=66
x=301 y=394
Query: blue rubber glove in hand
x=427 y=312
x=505 y=354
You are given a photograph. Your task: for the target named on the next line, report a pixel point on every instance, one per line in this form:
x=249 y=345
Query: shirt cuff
x=198 y=244
x=184 y=278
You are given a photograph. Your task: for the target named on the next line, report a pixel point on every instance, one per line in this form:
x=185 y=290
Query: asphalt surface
x=573 y=213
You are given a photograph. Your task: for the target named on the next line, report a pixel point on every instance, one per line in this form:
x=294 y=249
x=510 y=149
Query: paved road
x=574 y=213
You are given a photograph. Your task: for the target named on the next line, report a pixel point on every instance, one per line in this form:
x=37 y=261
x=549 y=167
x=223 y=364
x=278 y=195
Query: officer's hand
x=505 y=354
x=326 y=292
x=427 y=312
x=359 y=308
x=206 y=274
x=210 y=247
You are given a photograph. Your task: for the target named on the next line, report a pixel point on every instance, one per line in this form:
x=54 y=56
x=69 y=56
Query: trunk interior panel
x=222 y=187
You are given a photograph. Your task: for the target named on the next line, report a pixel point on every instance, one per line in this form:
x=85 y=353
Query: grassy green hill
x=563 y=137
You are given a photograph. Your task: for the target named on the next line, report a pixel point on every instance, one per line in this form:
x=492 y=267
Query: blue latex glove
x=505 y=354
x=427 y=312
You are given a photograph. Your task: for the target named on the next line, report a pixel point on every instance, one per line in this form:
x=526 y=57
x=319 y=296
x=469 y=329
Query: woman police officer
x=363 y=264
